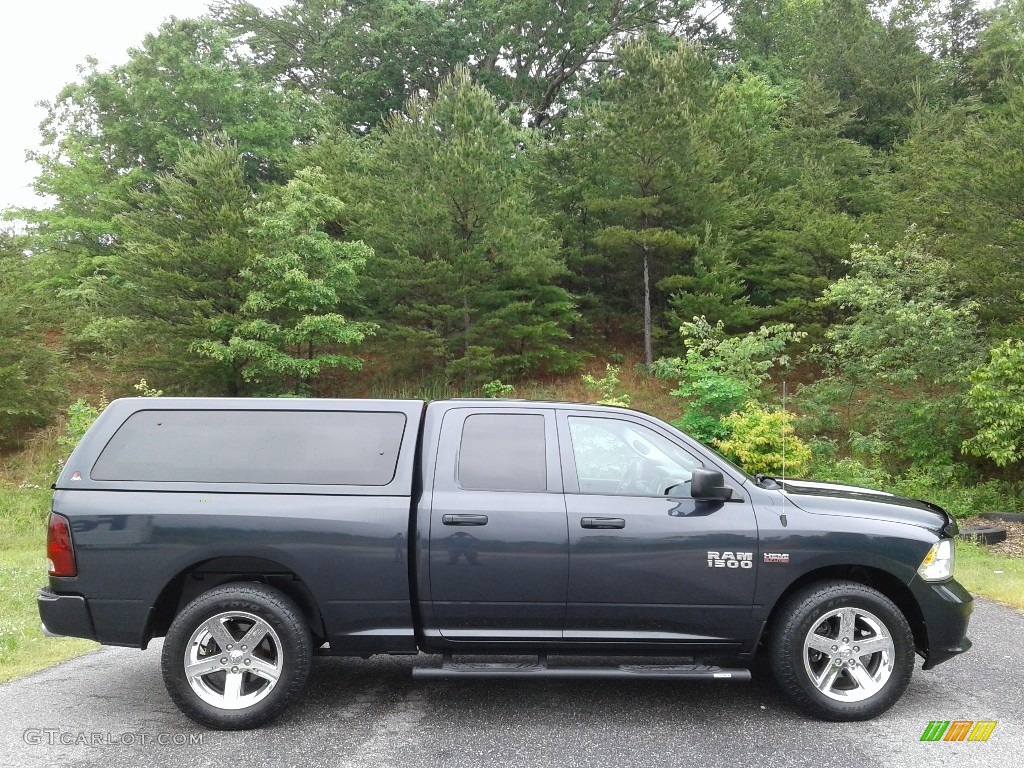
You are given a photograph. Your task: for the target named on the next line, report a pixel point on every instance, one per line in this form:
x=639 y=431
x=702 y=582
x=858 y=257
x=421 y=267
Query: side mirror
x=708 y=485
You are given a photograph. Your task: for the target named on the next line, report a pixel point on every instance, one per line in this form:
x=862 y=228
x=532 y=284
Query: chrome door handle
x=464 y=519
x=602 y=522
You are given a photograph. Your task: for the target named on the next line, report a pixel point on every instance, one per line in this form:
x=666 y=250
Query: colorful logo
x=959 y=730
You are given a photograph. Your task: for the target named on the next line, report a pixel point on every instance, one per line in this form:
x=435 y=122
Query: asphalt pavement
x=109 y=709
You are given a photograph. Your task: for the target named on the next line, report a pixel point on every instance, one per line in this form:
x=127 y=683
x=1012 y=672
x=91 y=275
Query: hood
x=851 y=501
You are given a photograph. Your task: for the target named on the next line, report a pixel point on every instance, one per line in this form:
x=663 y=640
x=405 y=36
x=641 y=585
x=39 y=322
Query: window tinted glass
x=293 y=447
x=616 y=456
x=503 y=452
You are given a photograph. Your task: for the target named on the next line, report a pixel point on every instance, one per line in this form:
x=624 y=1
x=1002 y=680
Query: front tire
x=236 y=655
x=842 y=651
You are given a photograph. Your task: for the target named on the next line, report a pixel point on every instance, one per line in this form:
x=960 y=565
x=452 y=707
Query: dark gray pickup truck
x=255 y=534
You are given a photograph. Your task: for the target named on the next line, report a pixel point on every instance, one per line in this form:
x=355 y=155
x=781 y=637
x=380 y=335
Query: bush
x=902 y=355
x=849 y=471
x=762 y=441
x=606 y=387
x=497 y=389
x=997 y=399
x=709 y=397
x=81 y=415
x=720 y=374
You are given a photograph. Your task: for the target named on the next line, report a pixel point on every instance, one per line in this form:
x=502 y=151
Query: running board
x=540 y=669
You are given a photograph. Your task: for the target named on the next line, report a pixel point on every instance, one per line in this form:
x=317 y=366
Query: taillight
x=60 y=552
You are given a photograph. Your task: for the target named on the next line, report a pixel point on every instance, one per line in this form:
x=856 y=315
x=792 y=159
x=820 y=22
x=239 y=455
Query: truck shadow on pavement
x=351 y=685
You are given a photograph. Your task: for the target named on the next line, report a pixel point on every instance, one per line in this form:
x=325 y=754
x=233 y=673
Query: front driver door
x=645 y=566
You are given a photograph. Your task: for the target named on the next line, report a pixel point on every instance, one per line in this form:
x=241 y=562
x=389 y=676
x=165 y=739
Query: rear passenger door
x=499 y=544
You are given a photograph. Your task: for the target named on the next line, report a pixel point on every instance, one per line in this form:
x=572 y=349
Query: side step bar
x=540 y=669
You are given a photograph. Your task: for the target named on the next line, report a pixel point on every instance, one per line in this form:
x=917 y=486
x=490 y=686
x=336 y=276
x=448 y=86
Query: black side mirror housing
x=709 y=485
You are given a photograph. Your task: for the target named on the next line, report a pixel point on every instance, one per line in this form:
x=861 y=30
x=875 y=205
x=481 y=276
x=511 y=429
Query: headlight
x=938 y=563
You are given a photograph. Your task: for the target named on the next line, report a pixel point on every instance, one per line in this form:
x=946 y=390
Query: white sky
x=43 y=42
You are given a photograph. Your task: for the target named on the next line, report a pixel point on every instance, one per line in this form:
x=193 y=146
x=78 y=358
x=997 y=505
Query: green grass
x=24 y=505
x=23 y=648
x=982 y=573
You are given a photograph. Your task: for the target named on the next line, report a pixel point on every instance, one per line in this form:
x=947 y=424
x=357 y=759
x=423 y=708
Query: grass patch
x=25 y=478
x=23 y=648
x=988 y=575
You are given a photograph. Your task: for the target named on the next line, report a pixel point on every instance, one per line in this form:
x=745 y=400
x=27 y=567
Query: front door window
x=615 y=456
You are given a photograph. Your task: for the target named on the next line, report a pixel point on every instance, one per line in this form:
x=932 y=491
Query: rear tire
x=842 y=651
x=236 y=655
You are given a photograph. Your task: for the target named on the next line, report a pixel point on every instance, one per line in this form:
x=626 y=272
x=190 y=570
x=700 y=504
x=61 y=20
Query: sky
x=43 y=42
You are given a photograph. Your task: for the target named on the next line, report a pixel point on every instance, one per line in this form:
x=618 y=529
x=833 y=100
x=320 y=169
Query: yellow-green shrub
x=761 y=440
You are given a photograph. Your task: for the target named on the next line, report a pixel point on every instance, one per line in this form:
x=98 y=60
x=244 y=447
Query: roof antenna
x=782 y=514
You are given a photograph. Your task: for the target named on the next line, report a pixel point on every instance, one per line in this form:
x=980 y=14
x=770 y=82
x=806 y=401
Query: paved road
x=370 y=713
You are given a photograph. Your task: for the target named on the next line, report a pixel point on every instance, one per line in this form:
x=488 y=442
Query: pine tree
x=467 y=275
x=289 y=325
x=649 y=168
x=31 y=371
x=173 y=273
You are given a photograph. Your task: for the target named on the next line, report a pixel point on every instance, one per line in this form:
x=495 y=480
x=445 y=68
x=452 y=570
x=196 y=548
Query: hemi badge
x=776 y=557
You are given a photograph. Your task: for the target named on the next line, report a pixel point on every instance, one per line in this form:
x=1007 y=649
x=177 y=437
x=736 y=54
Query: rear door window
x=503 y=452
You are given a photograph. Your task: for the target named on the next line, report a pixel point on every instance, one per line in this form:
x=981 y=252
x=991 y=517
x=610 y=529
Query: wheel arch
x=876 y=578
x=210 y=573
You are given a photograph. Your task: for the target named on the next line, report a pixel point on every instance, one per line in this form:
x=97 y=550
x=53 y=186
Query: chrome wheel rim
x=849 y=654
x=233 y=660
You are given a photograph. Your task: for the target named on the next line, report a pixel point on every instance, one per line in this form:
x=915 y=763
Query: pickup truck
x=254 y=534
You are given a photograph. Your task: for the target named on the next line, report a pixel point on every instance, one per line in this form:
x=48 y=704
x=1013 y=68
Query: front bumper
x=946 y=610
x=65 y=615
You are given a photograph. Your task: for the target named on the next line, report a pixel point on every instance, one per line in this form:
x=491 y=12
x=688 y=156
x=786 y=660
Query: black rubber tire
x=984 y=534
x=269 y=604
x=800 y=613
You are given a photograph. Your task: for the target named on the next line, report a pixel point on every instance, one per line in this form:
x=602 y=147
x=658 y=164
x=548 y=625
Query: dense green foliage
x=764 y=441
x=295 y=282
x=31 y=387
x=720 y=375
x=902 y=353
x=997 y=397
x=331 y=196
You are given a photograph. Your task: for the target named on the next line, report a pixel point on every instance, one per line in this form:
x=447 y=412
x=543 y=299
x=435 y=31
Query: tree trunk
x=466 y=374
x=648 y=347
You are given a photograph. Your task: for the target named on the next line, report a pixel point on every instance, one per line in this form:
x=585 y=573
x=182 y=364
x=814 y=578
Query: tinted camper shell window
x=265 y=447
